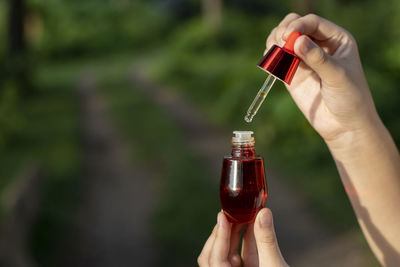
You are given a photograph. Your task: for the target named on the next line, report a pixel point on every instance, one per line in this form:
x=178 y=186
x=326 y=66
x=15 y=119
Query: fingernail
x=306 y=46
x=265 y=219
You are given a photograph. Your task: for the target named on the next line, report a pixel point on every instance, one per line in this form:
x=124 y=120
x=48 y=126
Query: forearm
x=369 y=165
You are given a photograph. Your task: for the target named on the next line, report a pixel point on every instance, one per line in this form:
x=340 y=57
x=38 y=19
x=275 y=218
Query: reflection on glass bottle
x=243 y=191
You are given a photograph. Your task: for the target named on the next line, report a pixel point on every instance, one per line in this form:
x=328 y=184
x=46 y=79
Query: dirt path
x=113 y=225
x=304 y=241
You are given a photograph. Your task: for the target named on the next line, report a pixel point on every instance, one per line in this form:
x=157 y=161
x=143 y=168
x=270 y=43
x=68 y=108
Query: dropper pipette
x=259 y=99
x=278 y=62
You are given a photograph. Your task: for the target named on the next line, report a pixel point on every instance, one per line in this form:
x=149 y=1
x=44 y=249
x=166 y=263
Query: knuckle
x=289 y=16
x=312 y=17
x=350 y=38
x=235 y=260
x=292 y=14
x=268 y=240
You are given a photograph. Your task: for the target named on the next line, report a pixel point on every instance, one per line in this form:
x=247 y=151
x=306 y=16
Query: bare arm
x=369 y=166
x=331 y=90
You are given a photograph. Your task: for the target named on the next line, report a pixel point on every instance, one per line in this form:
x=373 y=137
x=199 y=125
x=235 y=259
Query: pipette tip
x=258 y=100
x=248 y=118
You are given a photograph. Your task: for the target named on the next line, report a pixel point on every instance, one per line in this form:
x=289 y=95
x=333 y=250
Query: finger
x=277 y=31
x=267 y=245
x=271 y=40
x=233 y=255
x=202 y=260
x=318 y=60
x=282 y=28
x=278 y=36
x=220 y=249
x=249 y=247
x=314 y=26
x=289 y=18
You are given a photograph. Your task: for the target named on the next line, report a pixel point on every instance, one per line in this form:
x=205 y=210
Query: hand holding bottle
x=259 y=248
x=330 y=89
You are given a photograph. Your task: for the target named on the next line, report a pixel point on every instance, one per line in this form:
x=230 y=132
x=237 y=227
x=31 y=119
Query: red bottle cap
x=282 y=62
x=289 y=45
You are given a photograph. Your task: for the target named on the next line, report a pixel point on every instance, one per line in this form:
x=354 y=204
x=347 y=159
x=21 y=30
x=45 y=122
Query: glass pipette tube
x=259 y=99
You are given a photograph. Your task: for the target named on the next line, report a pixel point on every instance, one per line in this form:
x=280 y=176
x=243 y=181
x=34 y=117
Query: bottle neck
x=243 y=151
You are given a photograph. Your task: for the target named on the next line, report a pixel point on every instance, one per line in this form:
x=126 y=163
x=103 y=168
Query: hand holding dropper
x=279 y=63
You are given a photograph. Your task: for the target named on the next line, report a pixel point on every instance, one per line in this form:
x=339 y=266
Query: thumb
x=317 y=59
x=267 y=246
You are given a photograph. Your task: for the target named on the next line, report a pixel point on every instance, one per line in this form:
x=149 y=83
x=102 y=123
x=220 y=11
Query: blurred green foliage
x=214 y=68
x=187 y=201
x=47 y=136
x=11 y=120
x=76 y=29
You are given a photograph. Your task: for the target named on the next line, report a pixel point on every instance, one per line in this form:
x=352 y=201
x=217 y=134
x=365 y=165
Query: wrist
x=351 y=142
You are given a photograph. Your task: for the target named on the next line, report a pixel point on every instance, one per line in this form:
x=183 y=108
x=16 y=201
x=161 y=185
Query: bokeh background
x=115 y=116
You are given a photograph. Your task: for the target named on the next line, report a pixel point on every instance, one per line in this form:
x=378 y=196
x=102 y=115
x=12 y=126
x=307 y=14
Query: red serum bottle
x=243 y=190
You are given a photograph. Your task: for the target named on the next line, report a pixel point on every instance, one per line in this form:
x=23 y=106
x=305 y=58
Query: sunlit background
x=115 y=116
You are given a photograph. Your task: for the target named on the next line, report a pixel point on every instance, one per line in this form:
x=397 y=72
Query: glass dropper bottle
x=280 y=63
x=243 y=189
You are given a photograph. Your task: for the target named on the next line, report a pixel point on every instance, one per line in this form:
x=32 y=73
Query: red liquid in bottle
x=243 y=191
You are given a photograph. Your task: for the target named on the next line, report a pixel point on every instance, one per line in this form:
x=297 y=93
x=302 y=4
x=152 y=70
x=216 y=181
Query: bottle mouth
x=243 y=138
